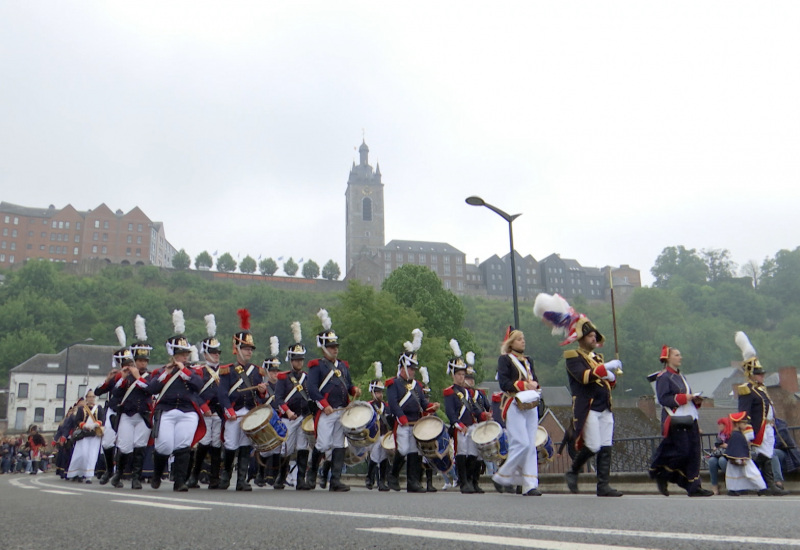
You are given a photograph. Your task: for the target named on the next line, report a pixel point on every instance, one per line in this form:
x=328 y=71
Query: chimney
x=788 y=379
x=647 y=404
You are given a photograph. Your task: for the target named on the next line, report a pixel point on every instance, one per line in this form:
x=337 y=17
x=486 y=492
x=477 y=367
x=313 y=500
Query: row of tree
x=267 y=266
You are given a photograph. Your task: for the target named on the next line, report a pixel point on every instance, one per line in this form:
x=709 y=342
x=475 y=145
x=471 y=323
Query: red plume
x=664 y=353
x=244 y=319
x=509 y=330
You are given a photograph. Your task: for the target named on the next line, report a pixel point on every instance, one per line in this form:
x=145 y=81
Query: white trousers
x=213 y=435
x=84 y=457
x=767 y=447
x=175 y=431
x=234 y=436
x=377 y=453
x=598 y=431
x=405 y=441
x=133 y=433
x=295 y=436
x=466 y=447
x=521 y=467
x=330 y=434
x=109 y=436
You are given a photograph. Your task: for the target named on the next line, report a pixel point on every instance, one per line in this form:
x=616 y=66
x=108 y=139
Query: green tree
x=248 y=265
x=783 y=281
x=267 y=266
x=203 y=261
x=719 y=264
x=18 y=346
x=181 y=260
x=681 y=263
x=331 y=271
x=310 y=269
x=290 y=267
x=226 y=263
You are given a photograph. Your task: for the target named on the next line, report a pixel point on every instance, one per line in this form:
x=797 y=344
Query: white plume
x=471 y=358
x=296 y=333
x=748 y=351
x=416 y=342
x=177 y=321
x=378 y=369
x=325 y=319
x=454 y=346
x=211 y=325
x=120 y=332
x=425 y=378
x=553 y=310
x=141 y=333
x=194 y=355
x=274 y=347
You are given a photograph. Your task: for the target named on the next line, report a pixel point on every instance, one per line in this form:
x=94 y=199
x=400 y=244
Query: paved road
x=45 y=512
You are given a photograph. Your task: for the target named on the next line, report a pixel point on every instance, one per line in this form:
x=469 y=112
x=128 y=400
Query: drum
x=354 y=455
x=308 y=429
x=387 y=442
x=544 y=446
x=432 y=438
x=490 y=438
x=360 y=424
x=264 y=428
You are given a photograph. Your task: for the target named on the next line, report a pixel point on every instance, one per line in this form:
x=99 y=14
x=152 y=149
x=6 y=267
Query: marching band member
x=87 y=446
x=516 y=376
x=755 y=401
x=292 y=398
x=330 y=386
x=427 y=466
x=273 y=467
x=177 y=419
x=741 y=473
x=241 y=389
x=378 y=469
x=677 y=458
x=460 y=409
x=211 y=444
x=121 y=358
x=482 y=409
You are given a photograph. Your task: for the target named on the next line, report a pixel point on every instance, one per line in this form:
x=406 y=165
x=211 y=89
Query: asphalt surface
x=41 y=512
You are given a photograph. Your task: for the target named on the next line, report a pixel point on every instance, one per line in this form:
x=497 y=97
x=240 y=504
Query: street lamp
x=477 y=201
x=66 y=374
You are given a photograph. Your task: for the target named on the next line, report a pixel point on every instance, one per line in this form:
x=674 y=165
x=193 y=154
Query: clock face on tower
x=366 y=191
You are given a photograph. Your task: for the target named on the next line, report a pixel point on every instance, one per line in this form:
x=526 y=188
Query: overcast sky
x=615 y=128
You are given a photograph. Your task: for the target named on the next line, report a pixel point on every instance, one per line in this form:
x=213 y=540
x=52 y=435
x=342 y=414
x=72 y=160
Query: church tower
x=364 y=230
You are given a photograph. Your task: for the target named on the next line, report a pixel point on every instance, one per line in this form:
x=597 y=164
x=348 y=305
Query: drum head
x=308 y=424
x=541 y=436
x=428 y=428
x=357 y=415
x=256 y=418
x=387 y=441
x=486 y=432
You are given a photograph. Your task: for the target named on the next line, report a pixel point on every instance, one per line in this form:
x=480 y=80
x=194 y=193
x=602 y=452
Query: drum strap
x=409 y=394
x=298 y=384
x=214 y=378
x=166 y=387
x=330 y=375
x=130 y=389
x=241 y=380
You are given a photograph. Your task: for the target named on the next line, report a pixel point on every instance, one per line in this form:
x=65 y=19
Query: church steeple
x=363 y=153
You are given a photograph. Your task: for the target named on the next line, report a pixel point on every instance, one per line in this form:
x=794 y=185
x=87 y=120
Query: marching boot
x=572 y=475
x=108 y=454
x=227 y=470
x=429 y=478
x=116 y=480
x=383 y=474
x=603 y=474
x=475 y=473
x=302 y=470
x=326 y=469
x=259 y=479
x=394 y=475
x=213 y=476
x=370 y=480
x=765 y=465
x=313 y=468
x=180 y=468
x=241 y=470
x=197 y=465
x=414 y=473
x=136 y=467
x=337 y=464
x=464 y=481
x=283 y=472
x=272 y=469
x=159 y=464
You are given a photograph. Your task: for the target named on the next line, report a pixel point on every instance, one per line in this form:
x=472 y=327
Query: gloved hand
x=614 y=364
x=610 y=376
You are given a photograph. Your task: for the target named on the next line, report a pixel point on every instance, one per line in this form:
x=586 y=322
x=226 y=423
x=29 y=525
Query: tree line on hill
x=267 y=266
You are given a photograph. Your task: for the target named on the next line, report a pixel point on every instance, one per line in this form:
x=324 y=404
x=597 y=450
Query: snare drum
x=432 y=438
x=360 y=424
x=264 y=428
x=387 y=442
x=490 y=438
x=308 y=429
x=544 y=446
x=353 y=455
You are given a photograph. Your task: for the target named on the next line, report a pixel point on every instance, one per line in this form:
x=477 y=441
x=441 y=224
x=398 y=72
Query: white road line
x=19 y=485
x=160 y=505
x=56 y=492
x=487 y=539
x=695 y=537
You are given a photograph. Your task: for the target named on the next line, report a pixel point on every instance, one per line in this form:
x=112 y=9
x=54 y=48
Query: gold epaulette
x=743 y=389
x=570 y=354
x=223 y=371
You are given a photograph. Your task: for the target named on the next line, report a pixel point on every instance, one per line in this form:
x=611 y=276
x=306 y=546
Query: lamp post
x=477 y=201
x=66 y=373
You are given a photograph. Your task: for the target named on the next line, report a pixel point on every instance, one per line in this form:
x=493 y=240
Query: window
x=59 y=414
x=105 y=225
x=459 y=270
x=66 y=225
x=94 y=249
x=128 y=251
x=81 y=391
x=60 y=391
x=366 y=209
x=422 y=258
x=97 y=224
x=447 y=284
x=38 y=414
x=399 y=257
x=41 y=391
x=16 y=221
x=130 y=239
x=22 y=390
x=446 y=259
x=77 y=238
x=61 y=225
x=3 y=245
x=105 y=237
x=7 y=219
x=139 y=239
x=54 y=224
x=460 y=285
x=434 y=258
x=130 y=226
x=95 y=236
x=104 y=250
x=410 y=258
x=139 y=228
x=19 y=422
x=138 y=251
x=78 y=226
x=458 y=260
x=447 y=269
x=44 y=235
x=5 y=232
x=75 y=251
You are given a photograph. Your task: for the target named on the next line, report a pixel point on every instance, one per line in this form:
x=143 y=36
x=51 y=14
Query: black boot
x=116 y=480
x=603 y=474
x=108 y=454
x=337 y=464
x=572 y=475
x=414 y=473
x=429 y=478
x=136 y=467
x=227 y=470
x=197 y=466
x=383 y=474
x=213 y=476
x=272 y=471
x=765 y=465
x=241 y=470
x=394 y=475
x=477 y=467
x=370 y=479
x=326 y=470
x=159 y=464
x=313 y=468
x=464 y=481
x=260 y=469
x=302 y=470
x=180 y=469
x=283 y=472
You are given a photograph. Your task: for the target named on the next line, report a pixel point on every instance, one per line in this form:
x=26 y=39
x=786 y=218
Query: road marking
x=695 y=537
x=57 y=492
x=487 y=539
x=19 y=485
x=161 y=505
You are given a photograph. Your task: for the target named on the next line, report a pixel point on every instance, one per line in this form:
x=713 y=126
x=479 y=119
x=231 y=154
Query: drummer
x=482 y=409
x=270 y=467
x=378 y=469
x=241 y=389
x=330 y=386
x=461 y=412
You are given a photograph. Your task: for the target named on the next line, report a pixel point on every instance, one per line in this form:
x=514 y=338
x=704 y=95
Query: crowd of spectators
x=15 y=456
